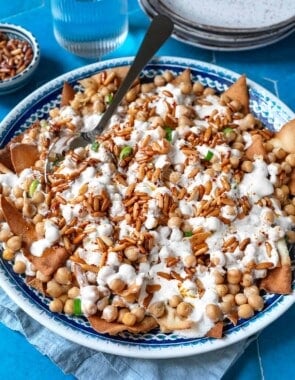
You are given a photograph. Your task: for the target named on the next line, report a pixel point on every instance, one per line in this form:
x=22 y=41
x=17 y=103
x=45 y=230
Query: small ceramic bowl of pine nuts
x=19 y=57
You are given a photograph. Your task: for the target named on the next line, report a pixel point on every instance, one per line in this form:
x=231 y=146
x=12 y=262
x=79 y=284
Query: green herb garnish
x=77 y=307
x=95 y=146
x=125 y=152
x=33 y=187
x=227 y=130
x=168 y=134
x=188 y=233
x=209 y=155
x=109 y=98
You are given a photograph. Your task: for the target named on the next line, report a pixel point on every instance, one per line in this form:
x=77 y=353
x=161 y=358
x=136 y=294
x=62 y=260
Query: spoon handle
x=158 y=32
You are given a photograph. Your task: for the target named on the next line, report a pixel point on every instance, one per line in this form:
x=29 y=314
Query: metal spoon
x=159 y=31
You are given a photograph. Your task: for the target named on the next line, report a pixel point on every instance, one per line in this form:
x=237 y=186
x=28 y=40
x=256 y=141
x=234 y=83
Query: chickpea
x=147 y=87
x=8 y=254
x=18 y=192
x=256 y=302
x=175 y=300
x=117 y=285
x=63 y=276
x=247 y=280
x=139 y=313
x=69 y=307
x=129 y=319
x=29 y=210
x=157 y=309
x=221 y=290
x=37 y=218
x=74 y=292
x=213 y=312
x=159 y=81
x=102 y=303
x=280 y=153
x=174 y=222
x=38 y=197
x=19 y=267
x=198 y=88
x=219 y=278
x=209 y=91
x=233 y=288
x=110 y=313
x=53 y=289
x=253 y=289
x=290 y=159
x=247 y=166
x=14 y=243
x=184 y=309
x=19 y=203
x=240 y=298
x=56 y=306
x=5 y=235
x=290 y=209
x=40 y=229
x=40 y=276
x=234 y=276
x=190 y=261
x=168 y=76
x=234 y=161
x=121 y=313
x=132 y=253
x=245 y=311
x=226 y=307
x=229 y=298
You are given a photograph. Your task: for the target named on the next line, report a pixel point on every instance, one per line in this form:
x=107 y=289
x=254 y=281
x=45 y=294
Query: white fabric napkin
x=85 y=363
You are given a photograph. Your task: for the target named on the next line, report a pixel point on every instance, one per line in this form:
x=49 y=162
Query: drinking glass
x=90 y=28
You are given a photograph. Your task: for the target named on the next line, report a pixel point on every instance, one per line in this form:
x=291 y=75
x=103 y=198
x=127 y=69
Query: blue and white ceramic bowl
x=16 y=82
x=153 y=344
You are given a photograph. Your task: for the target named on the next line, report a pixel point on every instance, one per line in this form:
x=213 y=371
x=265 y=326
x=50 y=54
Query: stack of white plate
x=227 y=24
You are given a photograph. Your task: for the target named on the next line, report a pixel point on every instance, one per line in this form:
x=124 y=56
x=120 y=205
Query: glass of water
x=90 y=28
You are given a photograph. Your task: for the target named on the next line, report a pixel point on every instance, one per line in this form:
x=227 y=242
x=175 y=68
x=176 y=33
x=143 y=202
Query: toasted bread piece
x=23 y=156
x=17 y=223
x=51 y=259
x=239 y=91
x=67 y=94
x=285 y=138
x=216 y=331
x=279 y=279
x=114 y=328
x=256 y=149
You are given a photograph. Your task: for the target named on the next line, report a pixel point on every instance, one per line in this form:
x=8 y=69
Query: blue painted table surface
x=272 y=354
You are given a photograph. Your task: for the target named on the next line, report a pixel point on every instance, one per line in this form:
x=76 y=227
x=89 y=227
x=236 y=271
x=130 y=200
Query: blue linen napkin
x=85 y=363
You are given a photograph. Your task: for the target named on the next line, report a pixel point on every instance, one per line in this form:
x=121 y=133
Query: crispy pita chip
x=36 y=284
x=17 y=223
x=23 y=156
x=5 y=159
x=184 y=77
x=171 y=321
x=239 y=91
x=256 y=148
x=279 y=280
x=216 y=331
x=285 y=138
x=52 y=258
x=67 y=94
x=113 y=328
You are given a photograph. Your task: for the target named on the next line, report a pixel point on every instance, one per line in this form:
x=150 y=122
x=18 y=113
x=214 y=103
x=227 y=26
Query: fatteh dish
x=176 y=217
